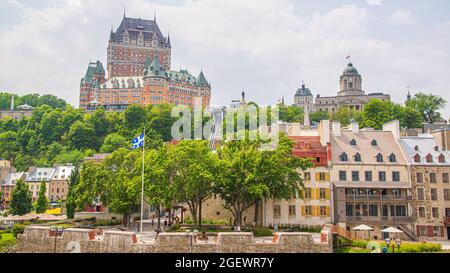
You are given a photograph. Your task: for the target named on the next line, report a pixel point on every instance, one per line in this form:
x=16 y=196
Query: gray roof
x=303 y=92
x=426 y=144
x=40 y=174
x=149 y=29
x=11 y=179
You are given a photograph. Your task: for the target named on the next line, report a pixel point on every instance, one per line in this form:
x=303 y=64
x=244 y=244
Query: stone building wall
x=37 y=239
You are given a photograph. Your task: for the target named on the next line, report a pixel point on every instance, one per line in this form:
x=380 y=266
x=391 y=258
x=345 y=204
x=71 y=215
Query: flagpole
x=142 y=188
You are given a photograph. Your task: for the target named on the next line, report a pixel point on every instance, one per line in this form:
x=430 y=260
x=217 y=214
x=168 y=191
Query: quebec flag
x=139 y=141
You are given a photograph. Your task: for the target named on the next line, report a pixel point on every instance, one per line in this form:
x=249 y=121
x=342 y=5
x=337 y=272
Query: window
x=323 y=193
x=422 y=212
x=379 y=158
x=353 y=142
x=433 y=178
x=308 y=210
x=342 y=176
x=322 y=176
x=308 y=176
x=373 y=210
x=277 y=211
x=416 y=148
x=446 y=195
x=343 y=157
x=434 y=195
x=417 y=158
x=435 y=212
x=291 y=210
x=392 y=158
x=355 y=176
x=429 y=158
x=441 y=158
x=396 y=176
x=419 y=178
x=368 y=176
x=382 y=176
x=374 y=143
x=436 y=149
x=323 y=211
x=349 y=209
x=420 y=194
x=357 y=157
x=308 y=193
x=445 y=178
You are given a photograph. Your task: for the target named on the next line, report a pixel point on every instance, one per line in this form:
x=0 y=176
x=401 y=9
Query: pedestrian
x=153 y=221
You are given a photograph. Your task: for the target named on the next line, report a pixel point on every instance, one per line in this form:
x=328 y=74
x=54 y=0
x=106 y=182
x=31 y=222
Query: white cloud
x=402 y=17
x=373 y=2
x=261 y=46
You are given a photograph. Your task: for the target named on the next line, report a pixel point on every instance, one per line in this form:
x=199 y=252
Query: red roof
x=310 y=146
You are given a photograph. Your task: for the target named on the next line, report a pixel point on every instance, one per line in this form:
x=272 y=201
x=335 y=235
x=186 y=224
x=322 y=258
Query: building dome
x=350 y=69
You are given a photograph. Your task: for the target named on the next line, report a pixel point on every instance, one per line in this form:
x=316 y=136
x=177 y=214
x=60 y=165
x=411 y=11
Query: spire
x=282 y=101
x=12 y=102
x=202 y=79
x=154 y=16
x=111 y=35
x=306 y=121
x=124 y=11
x=168 y=39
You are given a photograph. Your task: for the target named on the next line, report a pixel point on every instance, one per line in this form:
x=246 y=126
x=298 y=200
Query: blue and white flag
x=139 y=141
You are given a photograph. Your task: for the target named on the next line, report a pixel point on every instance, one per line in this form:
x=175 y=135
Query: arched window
x=343 y=157
x=379 y=158
x=353 y=142
x=436 y=149
x=442 y=158
x=357 y=157
x=429 y=158
x=417 y=158
x=374 y=143
x=392 y=158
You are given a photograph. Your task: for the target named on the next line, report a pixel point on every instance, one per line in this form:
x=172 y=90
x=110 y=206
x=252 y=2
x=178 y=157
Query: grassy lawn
x=7 y=240
x=350 y=249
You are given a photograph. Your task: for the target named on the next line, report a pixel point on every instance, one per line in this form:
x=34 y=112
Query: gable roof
x=149 y=29
x=426 y=144
x=11 y=179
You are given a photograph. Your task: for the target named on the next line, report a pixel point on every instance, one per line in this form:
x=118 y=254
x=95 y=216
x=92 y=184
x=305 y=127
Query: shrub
x=174 y=228
x=263 y=232
x=410 y=247
x=18 y=229
x=359 y=243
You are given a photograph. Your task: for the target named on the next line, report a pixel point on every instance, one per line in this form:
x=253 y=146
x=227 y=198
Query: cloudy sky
x=265 y=47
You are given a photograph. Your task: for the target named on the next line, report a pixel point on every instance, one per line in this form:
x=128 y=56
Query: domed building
x=350 y=93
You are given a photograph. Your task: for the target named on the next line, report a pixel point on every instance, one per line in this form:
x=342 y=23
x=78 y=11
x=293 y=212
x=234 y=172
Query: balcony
x=382 y=198
x=384 y=219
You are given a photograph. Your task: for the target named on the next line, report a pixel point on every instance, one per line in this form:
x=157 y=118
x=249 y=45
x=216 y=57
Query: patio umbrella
x=363 y=228
x=392 y=230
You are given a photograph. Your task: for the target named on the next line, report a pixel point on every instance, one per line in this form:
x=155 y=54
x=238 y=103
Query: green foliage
x=360 y=243
x=344 y=115
x=7 y=240
x=411 y=247
x=34 y=100
x=428 y=106
x=42 y=202
x=18 y=229
x=20 y=199
x=319 y=115
x=349 y=249
x=291 y=114
x=71 y=202
x=114 y=142
x=263 y=232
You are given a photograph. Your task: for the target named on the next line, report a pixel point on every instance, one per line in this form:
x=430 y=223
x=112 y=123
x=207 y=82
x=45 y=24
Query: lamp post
x=192 y=236
x=398 y=242
x=57 y=232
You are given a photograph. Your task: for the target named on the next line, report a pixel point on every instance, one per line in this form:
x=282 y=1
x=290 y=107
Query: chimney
x=354 y=127
x=336 y=127
x=394 y=127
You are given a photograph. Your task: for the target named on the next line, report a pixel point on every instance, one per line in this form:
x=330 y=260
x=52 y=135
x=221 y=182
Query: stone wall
x=37 y=239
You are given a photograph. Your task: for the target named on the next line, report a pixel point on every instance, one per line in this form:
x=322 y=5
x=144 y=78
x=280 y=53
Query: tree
x=82 y=136
x=428 y=106
x=50 y=127
x=377 y=112
x=291 y=114
x=345 y=115
x=196 y=175
x=410 y=118
x=113 y=142
x=71 y=203
x=42 y=202
x=319 y=115
x=92 y=185
x=123 y=187
x=9 y=145
x=21 y=199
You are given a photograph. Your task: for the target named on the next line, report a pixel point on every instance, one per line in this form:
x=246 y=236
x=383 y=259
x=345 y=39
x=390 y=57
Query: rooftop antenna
x=154 y=15
x=124 y=11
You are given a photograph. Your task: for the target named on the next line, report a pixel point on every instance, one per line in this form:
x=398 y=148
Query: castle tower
x=304 y=97
x=350 y=82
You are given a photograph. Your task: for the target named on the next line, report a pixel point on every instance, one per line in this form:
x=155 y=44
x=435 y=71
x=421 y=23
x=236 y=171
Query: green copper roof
x=155 y=69
x=202 y=80
x=93 y=68
x=350 y=69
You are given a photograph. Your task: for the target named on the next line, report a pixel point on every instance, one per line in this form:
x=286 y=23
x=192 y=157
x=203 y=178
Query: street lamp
x=398 y=242
x=57 y=232
x=192 y=236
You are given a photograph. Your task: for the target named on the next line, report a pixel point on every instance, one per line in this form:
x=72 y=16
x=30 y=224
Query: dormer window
x=379 y=158
x=374 y=143
x=353 y=142
x=429 y=158
x=343 y=157
x=417 y=158
x=416 y=148
x=392 y=158
x=436 y=149
x=442 y=158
